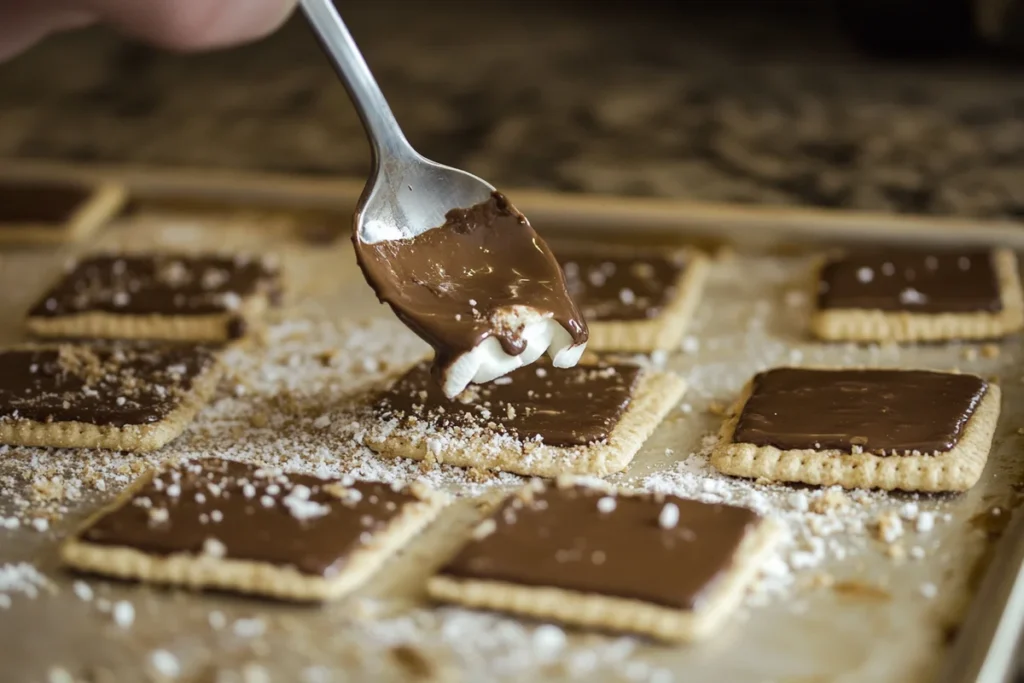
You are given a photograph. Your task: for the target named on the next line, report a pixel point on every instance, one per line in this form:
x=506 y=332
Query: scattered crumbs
x=214 y=548
x=925 y=522
x=413 y=661
x=249 y=628
x=929 y=590
x=690 y=344
x=164 y=663
x=21 y=578
x=668 y=518
x=888 y=526
x=970 y=353
x=860 y=590
x=990 y=350
x=82 y=590
x=217 y=620
x=58 y=674
x=124 y=613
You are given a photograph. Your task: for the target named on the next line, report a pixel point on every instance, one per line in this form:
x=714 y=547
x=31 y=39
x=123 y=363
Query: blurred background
x=897 y=106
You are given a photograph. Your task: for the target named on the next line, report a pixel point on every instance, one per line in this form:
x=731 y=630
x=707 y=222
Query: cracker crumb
x=888 y=526
x=832 y=500
x=165 y=664
x=413 y=661
x=214 y=548
x=484 y=529
x=990 y=351
x=124 y=613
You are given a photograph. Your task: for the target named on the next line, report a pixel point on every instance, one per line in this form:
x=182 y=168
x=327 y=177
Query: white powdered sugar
x=20 y=578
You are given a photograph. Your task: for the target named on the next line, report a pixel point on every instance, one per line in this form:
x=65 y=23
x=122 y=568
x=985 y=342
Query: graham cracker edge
x=619 y=614
x=244 y=576
x=956 y=470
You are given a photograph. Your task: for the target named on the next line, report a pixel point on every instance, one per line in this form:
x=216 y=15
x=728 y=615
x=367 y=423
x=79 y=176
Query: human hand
x=173 y=24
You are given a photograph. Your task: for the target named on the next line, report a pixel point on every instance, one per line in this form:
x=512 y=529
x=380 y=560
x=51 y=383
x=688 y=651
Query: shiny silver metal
x=406 y=193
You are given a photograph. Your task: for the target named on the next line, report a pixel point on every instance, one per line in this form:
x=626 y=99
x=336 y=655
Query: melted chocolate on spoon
x=447 y=284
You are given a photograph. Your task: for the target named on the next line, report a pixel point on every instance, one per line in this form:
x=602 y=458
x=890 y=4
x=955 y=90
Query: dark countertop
x=626 y=98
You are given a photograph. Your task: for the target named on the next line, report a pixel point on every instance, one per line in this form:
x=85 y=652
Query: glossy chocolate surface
x=608 y=287
x=98 y=385
x=40 y=204
x=158 y=284
x=562 y=406
x=923 y=281
x=563 y=539
x=450 y=285
x=254 y=514
x=885 y=412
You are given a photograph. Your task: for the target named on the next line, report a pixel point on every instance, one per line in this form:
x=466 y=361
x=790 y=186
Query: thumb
x=193 y=24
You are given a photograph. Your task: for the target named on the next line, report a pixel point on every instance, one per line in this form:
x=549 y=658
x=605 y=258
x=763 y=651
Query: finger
x=23 y=24
x=193 y=24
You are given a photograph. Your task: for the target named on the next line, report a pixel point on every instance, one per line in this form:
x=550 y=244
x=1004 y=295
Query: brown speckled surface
x=745 y=108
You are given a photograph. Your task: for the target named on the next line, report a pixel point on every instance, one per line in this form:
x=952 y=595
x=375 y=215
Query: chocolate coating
x=562 y=540
x=448 y=283
x=100 y=386
x=885 y=412
x=607 y=287
x=258 y=515
x=38 y=203
x=562 y=406
x=923 y=281
x=157 y=284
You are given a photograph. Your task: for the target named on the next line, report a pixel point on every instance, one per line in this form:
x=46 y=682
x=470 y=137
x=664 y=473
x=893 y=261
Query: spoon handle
x=386 y=137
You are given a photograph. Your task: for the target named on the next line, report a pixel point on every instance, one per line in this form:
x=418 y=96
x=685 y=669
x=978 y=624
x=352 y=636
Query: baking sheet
x=836 y=604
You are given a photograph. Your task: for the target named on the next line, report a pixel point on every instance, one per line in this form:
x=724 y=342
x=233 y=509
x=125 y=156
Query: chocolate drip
x=562 y=406
x=447 y=284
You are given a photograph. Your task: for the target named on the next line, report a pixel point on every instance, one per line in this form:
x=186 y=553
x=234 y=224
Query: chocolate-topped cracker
x=120 y=397
x=652 y=564
x=158 y=296
x=537 y=420
x=37 y=211
x=918 y=295
x=892 y=429
x=214 y=523
x=636 y=300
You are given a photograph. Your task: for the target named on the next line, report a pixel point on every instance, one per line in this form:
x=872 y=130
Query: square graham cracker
x=634 y=300
x=53 y=212
x=126 y=398
x=220 y=524
x=891 y=320
x=171 y=297
x=660 y=566
x=538 y=420
x=854 y=466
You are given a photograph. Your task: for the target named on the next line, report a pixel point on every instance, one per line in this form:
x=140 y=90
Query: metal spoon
x=407 y=194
